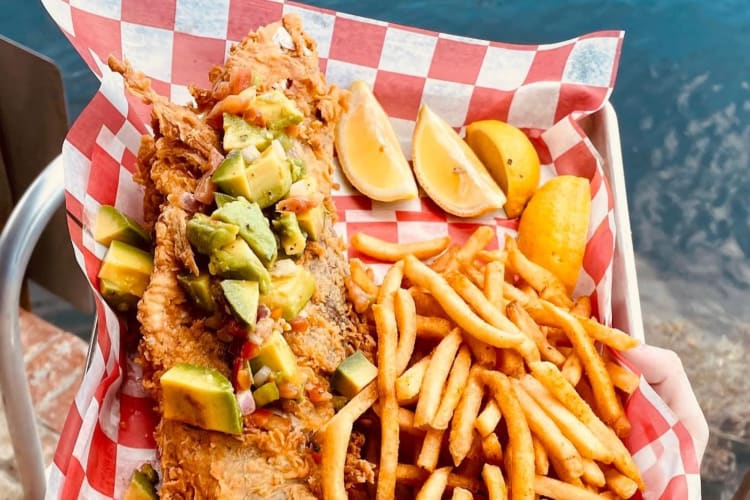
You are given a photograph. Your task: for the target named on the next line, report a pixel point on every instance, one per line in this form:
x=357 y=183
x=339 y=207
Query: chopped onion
x=250 y=153
x=254 y=338
x=246 y=401
x=283 y=267
x=284 y=39
x=263 y=312
x=261 y=377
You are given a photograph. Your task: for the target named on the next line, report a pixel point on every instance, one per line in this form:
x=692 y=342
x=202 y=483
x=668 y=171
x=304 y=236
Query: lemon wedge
x=553 y=227
x=510 y=158
x=369 y=152
x=449 y=171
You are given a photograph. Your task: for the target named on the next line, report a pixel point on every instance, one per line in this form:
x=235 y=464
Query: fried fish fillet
x=275 y=456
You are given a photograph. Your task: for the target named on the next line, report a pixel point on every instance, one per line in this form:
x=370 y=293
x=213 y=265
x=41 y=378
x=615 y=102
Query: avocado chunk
x=242 y=297
x=237 y=261
x=312 y=221
x=111 y=225
x=254 y=227
x=126 y=268
x=297 y=167
x=266 y=394
x=120 y=300
x=222 y=199
x=207 y=234
x=239 y=134
x=277 y=110
x=291 y=236
x=276 y=354
x=141 y=486
x=269 y=177
x=230 y=176
x=199 y=290
x=290 y=292
x=353 y=374
x=200 y=396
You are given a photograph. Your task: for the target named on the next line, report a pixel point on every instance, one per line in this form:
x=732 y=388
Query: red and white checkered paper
x=543 y=89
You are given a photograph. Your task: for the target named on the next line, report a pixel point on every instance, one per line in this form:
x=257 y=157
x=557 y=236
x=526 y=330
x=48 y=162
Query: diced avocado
x=269 y=177
x=222 y=199
x=254 y=227
x=119 y=300
x=126 y=268
x=242 y=297
x=238 y=134
x=200 y=396
x=291 y=236
x=237 y=261
x=277 y=110
x=276 y=354
x=207 y=234
x=353 y=374
x=297 y=167
x=313 y=221
x=199 y=289
x=230 y=176
x=141 y=488
x=290 y=293
x=266 y=394
x=111 y=224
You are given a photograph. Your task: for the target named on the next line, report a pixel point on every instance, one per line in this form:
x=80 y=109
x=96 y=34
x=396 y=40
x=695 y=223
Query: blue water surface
x=683 y=100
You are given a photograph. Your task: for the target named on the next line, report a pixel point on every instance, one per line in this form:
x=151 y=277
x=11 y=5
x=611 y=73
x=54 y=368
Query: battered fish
x=275 y=457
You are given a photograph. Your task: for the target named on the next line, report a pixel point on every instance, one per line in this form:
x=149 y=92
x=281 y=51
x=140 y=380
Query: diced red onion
x=246 y=401
x=188 y=203
x=263 y=312
x=261 y=377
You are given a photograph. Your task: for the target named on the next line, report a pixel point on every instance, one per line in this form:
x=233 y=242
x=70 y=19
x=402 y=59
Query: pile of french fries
x=492 y=381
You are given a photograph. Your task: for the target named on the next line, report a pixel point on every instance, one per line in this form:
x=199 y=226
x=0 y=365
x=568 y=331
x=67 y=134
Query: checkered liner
x=543 y=89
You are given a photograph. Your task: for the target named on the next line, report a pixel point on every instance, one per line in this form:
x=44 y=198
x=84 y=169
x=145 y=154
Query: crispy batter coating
x=275 y=456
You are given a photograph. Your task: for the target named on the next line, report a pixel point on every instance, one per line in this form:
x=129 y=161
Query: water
x=683 y=99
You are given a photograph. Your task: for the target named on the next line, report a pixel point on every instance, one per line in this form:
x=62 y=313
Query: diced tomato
x=317 y=394
x=236 y=366
x=240 y=79
x=249 y=350
x=243 y=379
x=288 y=390
x=260 y=417
x=232 y=104
x=300 y=324
x=317 y=456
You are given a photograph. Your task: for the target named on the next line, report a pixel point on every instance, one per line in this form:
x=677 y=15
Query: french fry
x=593 y=475
x=556 y=336
x=334 y=441
x=622 y=485
x=409 y=383
x=414 y=476
x=391 y=282
x=476 y=299
x=425 y=303
x=495 y=483
x=454 y=387
x=522 y=448
x=385 y=323
x=406 y=314
x=362 y=276
x=492 y=449
x=392 y=252
x=582 y=307
x=440 y=264
x=546 y=431
x=483 y=353
x=541 y=460
x=462 y=426
x=514 y=294
x=555 y=383
x=536 y=276
x=430 y=451
x=494 y=278
x=478 y=240
x=614 y=338
x=559 y=490
x=475 y=275
x=432 y=327
x=511 y=363
x=462 y=494
x=488 y=418
x=435 y=485
x=518 y=315
x=606 y=399
x=405 y=421
x=488 y=256
x=574 y=429
x=462 y=314
x=572 y=369
x=435 y=378
x=622 y=378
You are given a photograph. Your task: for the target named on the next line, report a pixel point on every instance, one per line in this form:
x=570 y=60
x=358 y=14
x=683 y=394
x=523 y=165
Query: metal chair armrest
x=20 y=235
